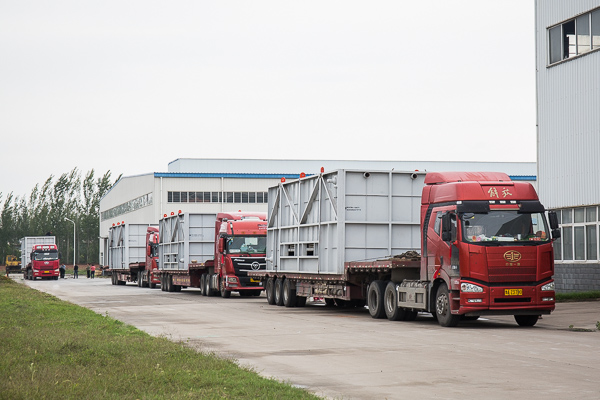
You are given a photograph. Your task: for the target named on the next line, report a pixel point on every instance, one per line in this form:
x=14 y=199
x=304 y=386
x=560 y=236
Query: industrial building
x=215 y=185
x=568 y=136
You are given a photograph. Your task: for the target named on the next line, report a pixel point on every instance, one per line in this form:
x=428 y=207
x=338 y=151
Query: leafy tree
x=44 y=211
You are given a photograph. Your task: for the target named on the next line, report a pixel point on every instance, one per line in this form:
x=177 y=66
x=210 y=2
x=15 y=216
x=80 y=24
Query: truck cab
x=240 y=247
x=487 y=248
x=44 y=262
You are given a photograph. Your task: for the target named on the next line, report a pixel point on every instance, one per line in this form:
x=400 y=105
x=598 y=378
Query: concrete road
x=345 y=354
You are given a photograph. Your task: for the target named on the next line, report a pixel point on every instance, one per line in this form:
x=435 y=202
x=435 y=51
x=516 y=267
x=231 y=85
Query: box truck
x=39 y=257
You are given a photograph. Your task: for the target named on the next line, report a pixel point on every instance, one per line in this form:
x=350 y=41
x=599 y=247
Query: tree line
x=44 y=212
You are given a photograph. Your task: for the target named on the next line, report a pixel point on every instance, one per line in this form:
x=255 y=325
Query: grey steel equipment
x=185 y=239
x=317 y=223
x=126 y=245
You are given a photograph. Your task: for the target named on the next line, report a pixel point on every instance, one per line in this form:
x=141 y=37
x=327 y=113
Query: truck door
x=441 y=235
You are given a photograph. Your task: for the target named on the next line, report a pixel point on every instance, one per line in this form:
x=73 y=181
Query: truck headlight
x=470 y=288
x=548 y=286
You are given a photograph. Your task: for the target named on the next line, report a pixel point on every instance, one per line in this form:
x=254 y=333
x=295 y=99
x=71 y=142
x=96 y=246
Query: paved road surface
x=345 y=354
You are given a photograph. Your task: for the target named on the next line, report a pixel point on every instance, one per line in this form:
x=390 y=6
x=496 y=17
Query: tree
x=45 y=209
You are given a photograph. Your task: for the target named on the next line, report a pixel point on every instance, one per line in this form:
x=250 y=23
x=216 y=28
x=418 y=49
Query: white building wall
x=568 y=104
x=568 y=113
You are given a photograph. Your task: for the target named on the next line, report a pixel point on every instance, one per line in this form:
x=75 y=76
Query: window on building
x=579 y=239
x=596 y=29
x=574 y=37
x=217 y=197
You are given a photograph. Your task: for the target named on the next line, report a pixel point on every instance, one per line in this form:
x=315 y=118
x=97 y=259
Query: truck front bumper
x=509 y=299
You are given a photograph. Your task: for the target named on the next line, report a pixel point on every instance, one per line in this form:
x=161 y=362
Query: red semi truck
x=133 y=254
x=485 y=245
x=43 y=262
x=213 y=252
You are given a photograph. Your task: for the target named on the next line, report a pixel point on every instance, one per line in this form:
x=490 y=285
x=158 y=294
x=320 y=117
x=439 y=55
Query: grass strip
x=578 y=296
x=52 y=349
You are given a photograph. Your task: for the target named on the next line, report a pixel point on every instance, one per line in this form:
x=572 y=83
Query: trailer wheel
x=289 y=293
x=442 y=308
x=527 y=320
x=270 y=291
x=279 y=292
x=375 y=299
x=202 y=279
x=207 y=288
x=224 y=292
x=392 y=311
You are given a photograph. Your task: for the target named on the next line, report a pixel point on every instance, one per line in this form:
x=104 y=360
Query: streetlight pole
x=67 y=219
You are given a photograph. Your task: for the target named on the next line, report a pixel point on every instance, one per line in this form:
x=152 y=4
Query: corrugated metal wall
x=568 y=107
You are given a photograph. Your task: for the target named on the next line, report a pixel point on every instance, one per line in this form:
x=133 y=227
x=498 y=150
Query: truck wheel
x=279 y=292
x=390 y=301
x=527 y=320
x=170 y=286
x=270 y=291
x=289 y=293
x=207 y=288
x=442 y=308
x=202 y=279
x=224 y=292
x=375 y=299
x=139 y=278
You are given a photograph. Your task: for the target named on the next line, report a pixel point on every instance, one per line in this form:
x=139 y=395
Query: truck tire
x=527 y=320
x=289 y=293
x=390 y=302
x=224 y=292
x=442 y=308
x=162 y=283
x=139 y=279
x=207 y=289
x=279 y=292
x=270 y=291
x=169 y=279
x=375 y=301
x=202 y=279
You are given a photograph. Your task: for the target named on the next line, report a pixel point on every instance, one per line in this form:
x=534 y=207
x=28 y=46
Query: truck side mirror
x=553 y=219
x=446 y=228
x=221 y=246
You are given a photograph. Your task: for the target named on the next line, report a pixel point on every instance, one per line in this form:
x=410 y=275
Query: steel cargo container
x=126 y=245
x=186 y=239
x=318 y=223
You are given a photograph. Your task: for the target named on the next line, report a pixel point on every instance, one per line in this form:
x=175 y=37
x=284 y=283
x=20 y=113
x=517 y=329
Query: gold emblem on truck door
x=512 y=256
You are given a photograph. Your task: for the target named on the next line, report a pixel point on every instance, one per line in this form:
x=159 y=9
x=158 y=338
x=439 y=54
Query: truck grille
x=512 y=274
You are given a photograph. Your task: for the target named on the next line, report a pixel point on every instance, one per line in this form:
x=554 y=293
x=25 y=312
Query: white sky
x=129 y=86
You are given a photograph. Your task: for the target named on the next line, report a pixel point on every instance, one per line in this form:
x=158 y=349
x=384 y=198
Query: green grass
x=52 y=349
x=578 y=296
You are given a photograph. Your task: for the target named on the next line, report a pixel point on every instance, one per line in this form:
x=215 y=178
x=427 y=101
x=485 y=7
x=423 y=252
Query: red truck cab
x=240 y=247
x=44 y=262
x=486 y=247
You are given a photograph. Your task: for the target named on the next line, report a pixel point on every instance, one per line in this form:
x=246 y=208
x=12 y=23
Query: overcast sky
x=129 y=86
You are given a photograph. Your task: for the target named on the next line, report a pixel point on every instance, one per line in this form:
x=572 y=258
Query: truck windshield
x=45 y=255
x=504 y=226
x=247 y=244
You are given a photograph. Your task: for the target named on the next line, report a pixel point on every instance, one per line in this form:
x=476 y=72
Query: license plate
x=254 y=280
x=513 y=292
x=47 y=272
